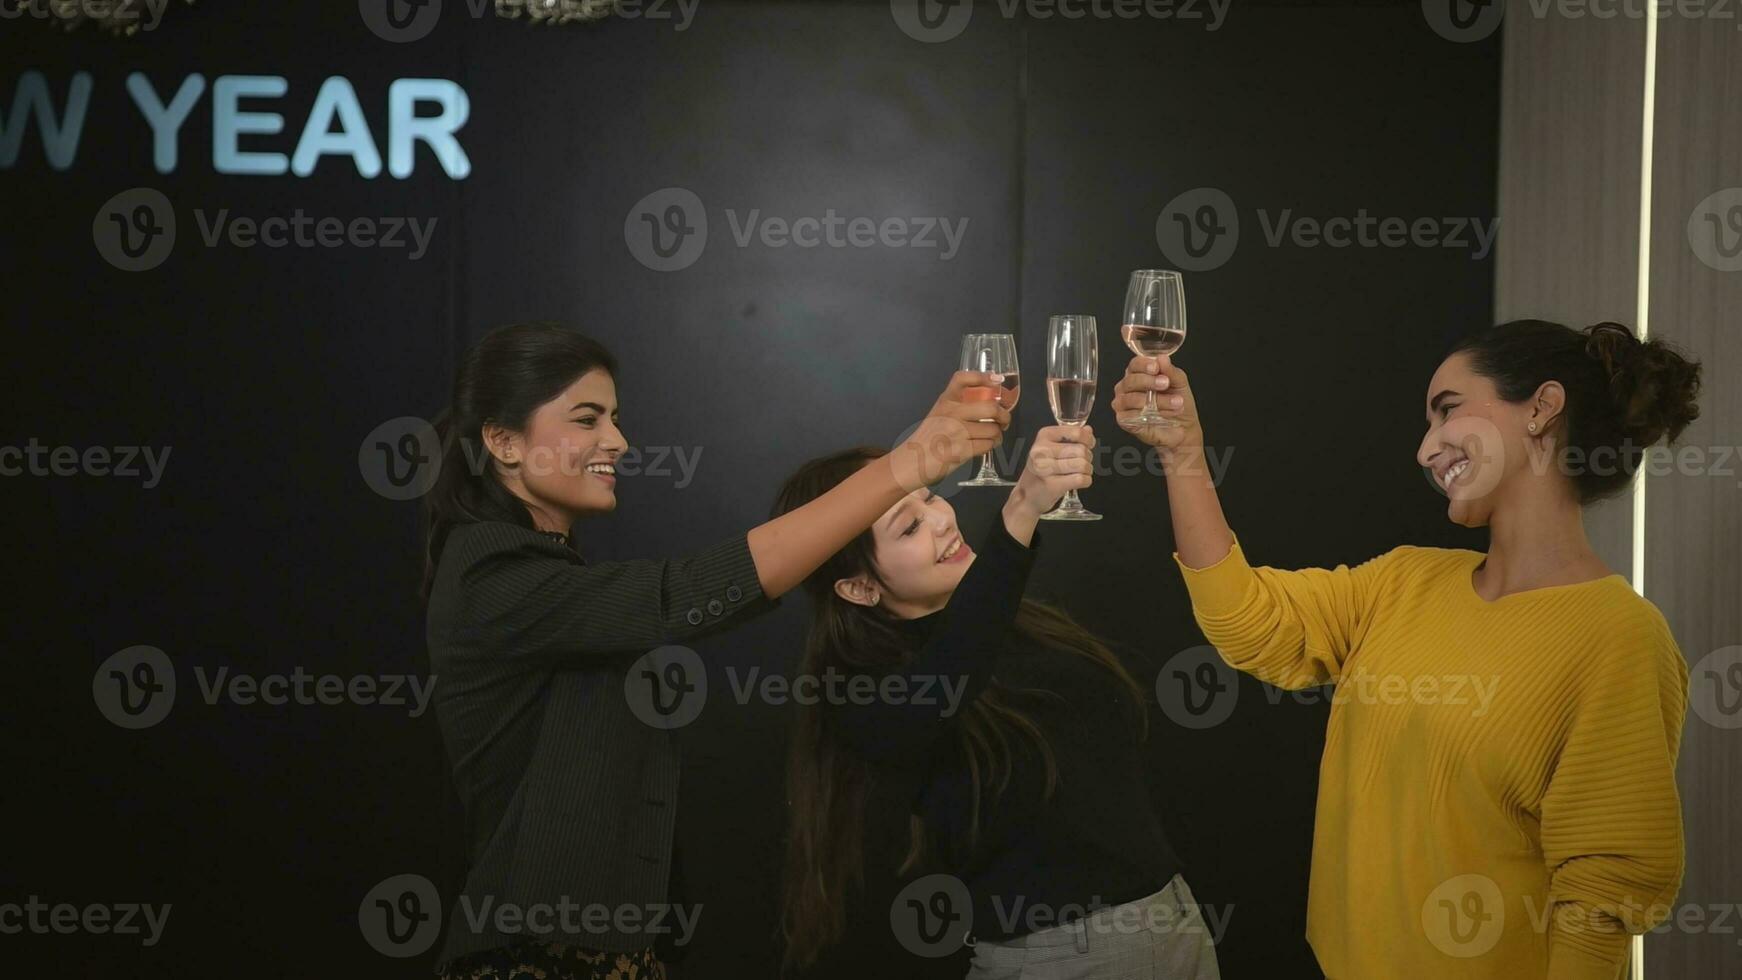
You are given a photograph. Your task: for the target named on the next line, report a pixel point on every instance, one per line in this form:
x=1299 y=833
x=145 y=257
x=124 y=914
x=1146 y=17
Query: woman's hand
x=968 y=419
x=1060 y=460
x=1173 y=397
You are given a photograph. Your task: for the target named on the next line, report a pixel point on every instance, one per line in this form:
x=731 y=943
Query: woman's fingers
x=976 y=411
x=962 y=381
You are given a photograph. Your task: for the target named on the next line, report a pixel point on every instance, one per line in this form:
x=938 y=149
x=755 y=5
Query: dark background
x=263 y=370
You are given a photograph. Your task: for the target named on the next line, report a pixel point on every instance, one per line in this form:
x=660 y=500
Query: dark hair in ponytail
x=828 y=784
x=502 y=380
x=1622 y=395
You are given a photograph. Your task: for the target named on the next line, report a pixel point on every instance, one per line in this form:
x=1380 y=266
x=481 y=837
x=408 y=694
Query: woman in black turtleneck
x=1006 y=733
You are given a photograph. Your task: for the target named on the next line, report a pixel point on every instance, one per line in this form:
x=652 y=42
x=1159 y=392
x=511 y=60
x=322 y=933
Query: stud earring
x=1531 y=427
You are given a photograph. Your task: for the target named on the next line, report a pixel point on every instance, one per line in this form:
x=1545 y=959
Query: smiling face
x=562 y=464
x=1475 y=447
x=920 y=557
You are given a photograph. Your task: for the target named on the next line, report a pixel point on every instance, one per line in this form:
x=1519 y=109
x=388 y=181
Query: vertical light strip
x=1642 y=318
x=1642 y=315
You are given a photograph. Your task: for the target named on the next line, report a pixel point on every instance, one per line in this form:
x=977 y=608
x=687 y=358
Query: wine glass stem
x=986 y=470
x=1149 y=405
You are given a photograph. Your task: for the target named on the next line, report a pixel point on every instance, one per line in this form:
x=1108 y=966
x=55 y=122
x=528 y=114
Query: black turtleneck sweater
x=1096 y=842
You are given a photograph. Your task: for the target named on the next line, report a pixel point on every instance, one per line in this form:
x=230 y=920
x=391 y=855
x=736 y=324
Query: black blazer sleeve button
x=695 y=617
x=733 y=593
x=715 y=607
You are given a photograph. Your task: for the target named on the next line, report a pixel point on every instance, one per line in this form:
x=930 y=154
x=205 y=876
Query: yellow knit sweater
x=1497 y=796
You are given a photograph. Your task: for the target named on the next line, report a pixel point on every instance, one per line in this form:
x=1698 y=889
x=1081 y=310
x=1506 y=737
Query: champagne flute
x=1154 y=324
x=1072 y=363
x=991 y=352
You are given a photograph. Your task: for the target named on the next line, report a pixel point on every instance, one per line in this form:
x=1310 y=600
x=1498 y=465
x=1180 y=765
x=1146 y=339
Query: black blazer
x=569 y=796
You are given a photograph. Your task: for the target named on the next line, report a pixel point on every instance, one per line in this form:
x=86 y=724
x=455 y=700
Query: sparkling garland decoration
x=556 y=11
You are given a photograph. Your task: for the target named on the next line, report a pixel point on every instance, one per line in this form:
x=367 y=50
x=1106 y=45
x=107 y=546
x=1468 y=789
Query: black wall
x=263 y=370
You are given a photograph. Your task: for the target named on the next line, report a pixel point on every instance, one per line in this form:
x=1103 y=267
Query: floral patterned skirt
x=555 y=961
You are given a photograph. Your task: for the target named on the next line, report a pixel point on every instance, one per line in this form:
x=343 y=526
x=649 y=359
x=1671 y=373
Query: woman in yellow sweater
x=1497 y=794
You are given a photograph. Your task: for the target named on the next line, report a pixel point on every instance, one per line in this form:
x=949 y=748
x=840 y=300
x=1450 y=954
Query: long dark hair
x=1622 y=395
x=828 y=783
x=502 y=381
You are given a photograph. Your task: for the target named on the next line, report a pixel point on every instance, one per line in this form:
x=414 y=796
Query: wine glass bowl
x=1154 y=325
x=991 y=352
x=1073 y=359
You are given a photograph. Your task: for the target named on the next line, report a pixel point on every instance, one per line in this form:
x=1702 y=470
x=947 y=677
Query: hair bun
x=1653 y=386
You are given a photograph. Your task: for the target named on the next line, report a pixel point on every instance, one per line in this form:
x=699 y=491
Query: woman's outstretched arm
x=1201 y=533
x=791 y=546
x=1292 y=629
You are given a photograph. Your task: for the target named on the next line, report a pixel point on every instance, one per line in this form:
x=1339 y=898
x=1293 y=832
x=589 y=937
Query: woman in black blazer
x=569 y=796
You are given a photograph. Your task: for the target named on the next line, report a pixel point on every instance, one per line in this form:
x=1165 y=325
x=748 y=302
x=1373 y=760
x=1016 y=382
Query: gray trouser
x=1161 y=937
